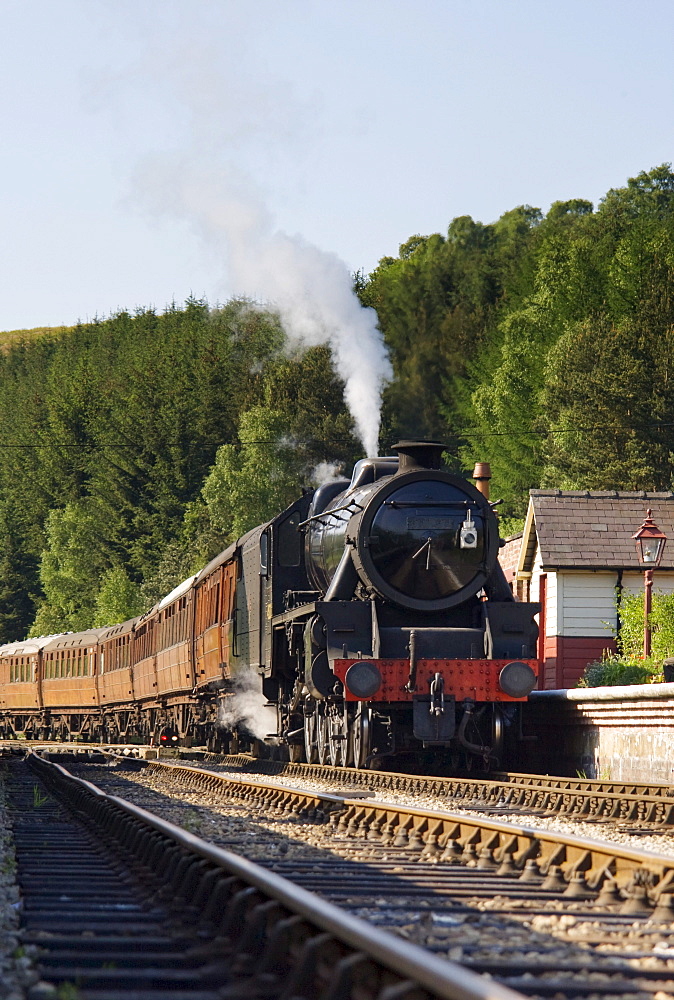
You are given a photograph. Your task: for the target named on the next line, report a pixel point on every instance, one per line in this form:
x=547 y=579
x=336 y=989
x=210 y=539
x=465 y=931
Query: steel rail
x=656 y=788
x=573 y=798
x=404 y=969
x=354 y=776
x=585 y=864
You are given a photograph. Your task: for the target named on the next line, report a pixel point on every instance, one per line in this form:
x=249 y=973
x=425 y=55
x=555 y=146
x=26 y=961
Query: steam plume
x=310 y=288
x=326 y=472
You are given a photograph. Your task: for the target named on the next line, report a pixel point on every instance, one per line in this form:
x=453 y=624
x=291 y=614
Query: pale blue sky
x=352 y=124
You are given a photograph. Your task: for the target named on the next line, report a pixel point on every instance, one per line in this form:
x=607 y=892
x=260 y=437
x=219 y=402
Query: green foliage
x=520 y=342
x=628 y=665
x=510 y=526
x=18 y=572
x=543 y=344
x=248 y=486
x=39 y=798
x=251 y=482
x=434 y=303
x=176 y=564
x=604 y=407
x=9 y=338
x=69 y=570
x=661 y=621
x=118 y=598
x=616 y=670
x=109 y=432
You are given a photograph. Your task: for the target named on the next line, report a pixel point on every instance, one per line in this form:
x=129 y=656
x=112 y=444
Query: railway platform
x=611 y=733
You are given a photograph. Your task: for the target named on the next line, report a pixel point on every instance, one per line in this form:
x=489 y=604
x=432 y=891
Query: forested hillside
x=134 y=448
x=542 y=344
x=109 y=435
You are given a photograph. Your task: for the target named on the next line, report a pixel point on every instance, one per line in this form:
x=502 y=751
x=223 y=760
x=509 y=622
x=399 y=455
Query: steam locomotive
x=372 y=615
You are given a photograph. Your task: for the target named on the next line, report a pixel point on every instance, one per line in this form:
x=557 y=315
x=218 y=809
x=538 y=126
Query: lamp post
x=650 y=546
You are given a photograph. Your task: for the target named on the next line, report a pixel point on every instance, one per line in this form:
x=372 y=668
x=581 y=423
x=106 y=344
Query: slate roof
x=592 y=529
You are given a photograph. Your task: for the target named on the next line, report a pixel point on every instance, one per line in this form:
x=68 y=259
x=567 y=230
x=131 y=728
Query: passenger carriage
x=116 y=692
x=69 y=686
x=20 y=694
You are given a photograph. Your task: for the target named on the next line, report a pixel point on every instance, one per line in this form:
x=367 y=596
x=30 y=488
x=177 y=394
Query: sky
x=140 y=140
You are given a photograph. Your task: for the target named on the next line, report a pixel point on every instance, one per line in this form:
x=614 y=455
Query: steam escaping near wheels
x=244 y=706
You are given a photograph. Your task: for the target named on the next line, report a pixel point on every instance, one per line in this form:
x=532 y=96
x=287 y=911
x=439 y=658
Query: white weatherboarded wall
x=662 y=582
x=586 y=603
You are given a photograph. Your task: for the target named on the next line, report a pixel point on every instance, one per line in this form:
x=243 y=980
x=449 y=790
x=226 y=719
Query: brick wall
x=626 y=734
x=509 y=556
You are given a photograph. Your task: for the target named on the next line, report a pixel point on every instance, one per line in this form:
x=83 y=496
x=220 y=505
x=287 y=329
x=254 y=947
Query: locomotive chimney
x=482 y=475
x=415 y=455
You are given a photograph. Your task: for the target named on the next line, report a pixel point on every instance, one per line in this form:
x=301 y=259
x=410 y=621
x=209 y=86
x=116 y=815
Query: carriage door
x=265 y=600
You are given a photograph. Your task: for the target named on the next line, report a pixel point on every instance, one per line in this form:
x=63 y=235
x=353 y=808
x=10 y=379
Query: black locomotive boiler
x=405 y=635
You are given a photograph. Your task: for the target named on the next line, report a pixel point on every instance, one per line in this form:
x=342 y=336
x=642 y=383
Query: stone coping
x=627 y=692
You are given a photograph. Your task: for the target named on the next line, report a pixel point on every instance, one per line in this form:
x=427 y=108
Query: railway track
x=119 y=904
x=635 y=808
x=542 y=913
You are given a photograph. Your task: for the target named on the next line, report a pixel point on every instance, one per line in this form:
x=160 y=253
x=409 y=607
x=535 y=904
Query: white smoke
x=246 y=706
x=311 y=288
x=313 y=292
x=326 y=472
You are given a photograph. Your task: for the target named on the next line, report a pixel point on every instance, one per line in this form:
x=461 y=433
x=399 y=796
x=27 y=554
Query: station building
x=576 y=555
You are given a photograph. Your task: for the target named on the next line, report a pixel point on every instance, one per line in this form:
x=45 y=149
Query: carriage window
x=264 y=554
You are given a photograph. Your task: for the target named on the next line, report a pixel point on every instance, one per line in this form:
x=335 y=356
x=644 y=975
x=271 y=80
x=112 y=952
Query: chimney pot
x=482 y=475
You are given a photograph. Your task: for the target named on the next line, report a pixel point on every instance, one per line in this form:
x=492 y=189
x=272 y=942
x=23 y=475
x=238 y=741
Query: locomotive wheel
x=497 y=733
x=361 y=735
x=311 y=732
x=338 y=735
x=322 y=733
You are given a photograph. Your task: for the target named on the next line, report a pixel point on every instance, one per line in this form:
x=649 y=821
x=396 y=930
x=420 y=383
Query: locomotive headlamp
x=517 y=679
x=468 y=536
x=363 y=679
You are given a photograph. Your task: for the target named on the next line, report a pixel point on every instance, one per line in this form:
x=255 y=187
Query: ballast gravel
x=17 y=972
x=659 y=843
x=566 y=936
